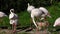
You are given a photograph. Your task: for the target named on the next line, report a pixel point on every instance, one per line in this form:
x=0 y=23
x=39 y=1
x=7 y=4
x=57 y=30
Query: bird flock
x=40 y=13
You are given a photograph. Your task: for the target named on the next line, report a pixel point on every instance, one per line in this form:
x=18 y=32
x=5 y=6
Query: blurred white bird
x=35 y=12
x=57 y=22
x=45 y=12
x=2 y=14
x=13 y=17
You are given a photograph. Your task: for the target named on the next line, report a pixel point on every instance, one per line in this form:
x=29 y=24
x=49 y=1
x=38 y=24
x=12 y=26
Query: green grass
x=24 y=19
x=4 y=21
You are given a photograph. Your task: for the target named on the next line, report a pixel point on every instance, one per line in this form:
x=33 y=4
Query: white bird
x=57 y=22
x=2 y=14
x=35 y=12
x=45 y=12
x=13 y=17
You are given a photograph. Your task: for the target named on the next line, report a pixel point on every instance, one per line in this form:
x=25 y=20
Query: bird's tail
x=28 y=4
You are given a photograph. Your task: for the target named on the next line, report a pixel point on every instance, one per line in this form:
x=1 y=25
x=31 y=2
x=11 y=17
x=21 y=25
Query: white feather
x=2 y=14
x=35 y=12
x=44 y=10
x=57 y=22
x=13 y=18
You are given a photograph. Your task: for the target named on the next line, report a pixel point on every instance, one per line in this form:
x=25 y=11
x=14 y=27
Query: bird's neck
x=11 y=12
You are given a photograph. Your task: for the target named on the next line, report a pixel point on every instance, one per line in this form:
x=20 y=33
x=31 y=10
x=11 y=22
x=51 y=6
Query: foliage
x=20 y=5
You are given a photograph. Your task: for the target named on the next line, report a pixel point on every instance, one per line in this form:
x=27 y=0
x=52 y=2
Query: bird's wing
x=43 y=10
x=2 y=14
x=15 y=16
x=11 y=16
x=57 y=22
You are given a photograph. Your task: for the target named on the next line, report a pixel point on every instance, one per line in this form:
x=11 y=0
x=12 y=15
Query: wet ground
x=34 y=31
x=7 y=31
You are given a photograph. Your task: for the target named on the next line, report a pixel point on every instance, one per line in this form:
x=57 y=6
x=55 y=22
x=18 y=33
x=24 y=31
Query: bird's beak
x=28 y=4
x=54 y=25
x=49 y=16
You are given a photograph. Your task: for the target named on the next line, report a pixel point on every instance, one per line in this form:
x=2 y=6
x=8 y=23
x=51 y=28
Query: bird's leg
x=32 y=16
x=34 y=22
x=14 y=28
x=38 y=20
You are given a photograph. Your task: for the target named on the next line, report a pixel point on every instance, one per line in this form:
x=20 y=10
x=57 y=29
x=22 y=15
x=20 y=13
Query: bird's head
x=28 y=4
x=12 y=10
x=30 y=8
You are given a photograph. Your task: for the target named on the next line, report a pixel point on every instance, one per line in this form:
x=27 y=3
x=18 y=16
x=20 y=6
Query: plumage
x=37 y=12
x=13 y=17
x=57 y=22
x=45 y=12
x=2 y=14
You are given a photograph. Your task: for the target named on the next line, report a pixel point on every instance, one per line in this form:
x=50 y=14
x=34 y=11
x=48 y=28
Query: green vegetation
x=24 y=19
